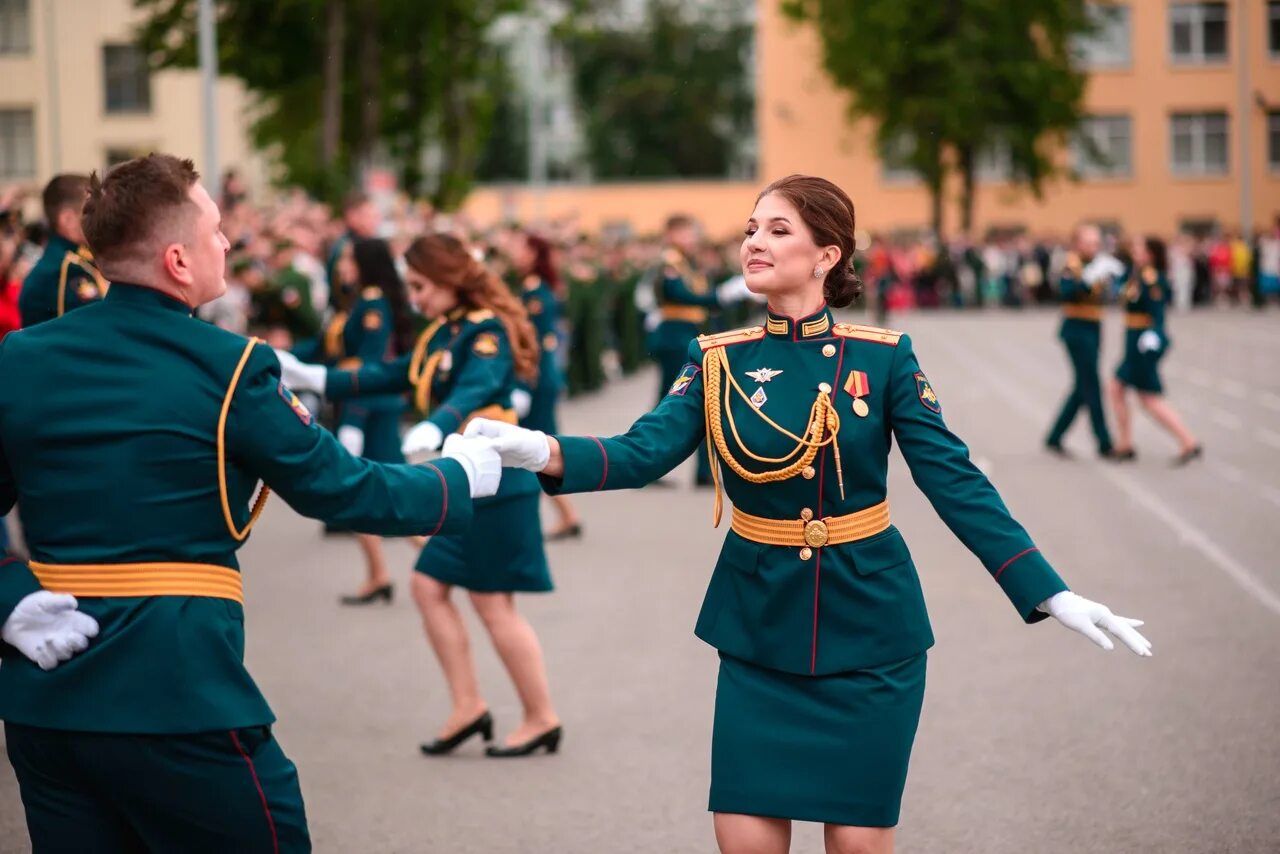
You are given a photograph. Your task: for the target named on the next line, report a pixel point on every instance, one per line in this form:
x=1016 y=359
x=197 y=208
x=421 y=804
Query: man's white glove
x=47 y=628
x=1081 y=615
x=299 y=376
x=424 y=436
x=521 y=402
x=1149 y=342
x=479 y=459
x=520 y=448
x=351 y=438
x=1102 y=267
x=734 y=290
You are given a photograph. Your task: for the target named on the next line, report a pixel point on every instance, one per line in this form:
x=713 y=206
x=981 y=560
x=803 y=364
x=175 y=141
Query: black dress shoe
x=1057 y=450
x=482 y=725
x=383 y=593
x=1121 y=456
x=569 y=532
x=1188 y=455
x=549 y=739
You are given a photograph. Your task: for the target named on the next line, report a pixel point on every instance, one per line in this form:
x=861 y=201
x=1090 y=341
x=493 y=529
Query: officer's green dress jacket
x=111 y=422
x=367 y=339
x=840 y=607
x=540 y=302
x=461 y=367
x=1081 y=302
x=1145 y=294
x=684 y=297
x=286 y=303
x=63 y=279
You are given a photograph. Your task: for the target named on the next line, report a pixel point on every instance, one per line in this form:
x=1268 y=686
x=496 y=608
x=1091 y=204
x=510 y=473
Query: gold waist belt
x=1134 y=320
x=140 y=579
x=813 y=533
x=1082 y=312
x=690 y=313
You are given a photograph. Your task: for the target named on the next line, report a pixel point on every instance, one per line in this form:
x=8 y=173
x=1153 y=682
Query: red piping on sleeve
x=604 y=477
x=444 y=511
x=1022 y=553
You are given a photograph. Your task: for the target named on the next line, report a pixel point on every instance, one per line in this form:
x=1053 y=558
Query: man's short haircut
x=354 y=200
x=678 y=221
x=62 y=192
x=127 y=208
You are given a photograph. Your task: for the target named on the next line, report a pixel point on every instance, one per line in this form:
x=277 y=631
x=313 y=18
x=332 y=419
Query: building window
x=994 y=161
x=17 y=144
x=1108 y=45
x=127 y=79
x=15 y=26
x=1273 y=140
x=1273 y=29
x=1101 y=147
x=895 y=156
x=1200 y=143
x=1198 y=32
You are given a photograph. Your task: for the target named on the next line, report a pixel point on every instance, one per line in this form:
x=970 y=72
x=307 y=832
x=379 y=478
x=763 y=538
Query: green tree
x=672 y=97
x=954 y=78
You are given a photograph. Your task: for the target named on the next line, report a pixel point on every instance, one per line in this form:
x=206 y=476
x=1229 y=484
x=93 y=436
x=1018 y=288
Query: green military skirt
x=500 y=553
x=832 y=749
x=1139 y=370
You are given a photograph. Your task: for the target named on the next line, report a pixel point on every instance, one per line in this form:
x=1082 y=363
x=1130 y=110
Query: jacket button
x=806 y=514
x=806 y=553
x=829 y=350
x=808 y=472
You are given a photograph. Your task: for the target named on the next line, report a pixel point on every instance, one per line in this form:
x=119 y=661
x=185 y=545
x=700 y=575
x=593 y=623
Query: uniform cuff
x=447 y=418
x=1028 y=579
x=456 y=506
x=586 y=466
x=340 y=384
x=17 y=582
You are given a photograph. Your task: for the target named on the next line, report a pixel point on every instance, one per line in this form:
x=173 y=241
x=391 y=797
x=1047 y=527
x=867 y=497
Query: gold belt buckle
x=816 y=533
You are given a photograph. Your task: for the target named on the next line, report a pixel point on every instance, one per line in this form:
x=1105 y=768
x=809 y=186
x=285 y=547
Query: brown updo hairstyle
x=828 y=212
x=447 y=261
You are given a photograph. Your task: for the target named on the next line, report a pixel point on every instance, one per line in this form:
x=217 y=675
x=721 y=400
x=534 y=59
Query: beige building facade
x=75 y=95
x=1164 y=99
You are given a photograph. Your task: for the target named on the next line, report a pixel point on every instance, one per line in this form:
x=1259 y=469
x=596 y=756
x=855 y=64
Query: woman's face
x=522 y=254
x=1138 y=248
x=345 y=266
x=429 y=298
x=778 y=254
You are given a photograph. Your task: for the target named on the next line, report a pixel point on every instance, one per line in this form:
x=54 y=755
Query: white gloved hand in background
x=299 y=376
x=1086 y=617
x=521 y=402
x=47 y=628
x=351 y=438
x=424 y=436
x=520 y=448
x=479 y=459
x=1101 y=268
x=1149 y=342
x=734 y=290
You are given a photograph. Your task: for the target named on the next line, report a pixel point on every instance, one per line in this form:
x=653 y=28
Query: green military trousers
x=1086 y=390
x=108 y=793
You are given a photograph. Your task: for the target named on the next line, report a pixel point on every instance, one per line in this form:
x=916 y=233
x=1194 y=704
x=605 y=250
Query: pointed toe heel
x=549 y=740
x=481 y=726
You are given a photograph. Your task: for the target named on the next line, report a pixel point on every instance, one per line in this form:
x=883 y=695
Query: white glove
x=479 y=459
x=299 y=376
x=47 y=628
x=1081 y=615
x=520 y=448
x=734 y=290
x=1149 y=342
x=521 y=402
x=424 y=436
x=351 y=438
x=1100 y=268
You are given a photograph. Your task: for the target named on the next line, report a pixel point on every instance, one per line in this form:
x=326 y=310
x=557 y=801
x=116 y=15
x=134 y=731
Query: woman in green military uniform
x=540 y=290
x=815 y=605
x=1145 y=343
x=465 y=364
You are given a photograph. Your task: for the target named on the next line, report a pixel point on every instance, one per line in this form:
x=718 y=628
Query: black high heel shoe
x=568 y=532
x=1187 y=456
x=549 y=739
x=482 y=725
x=384 y=593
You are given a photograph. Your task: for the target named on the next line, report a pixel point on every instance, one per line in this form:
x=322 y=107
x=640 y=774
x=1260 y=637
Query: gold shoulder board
x=371 y=292
x=480 y=315
x=867 y=333
x=733 y=336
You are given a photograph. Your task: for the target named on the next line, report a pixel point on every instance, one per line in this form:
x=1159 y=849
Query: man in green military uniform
x=1082 y=289
x=284 y=304
x=156 y=737
x=65 y=277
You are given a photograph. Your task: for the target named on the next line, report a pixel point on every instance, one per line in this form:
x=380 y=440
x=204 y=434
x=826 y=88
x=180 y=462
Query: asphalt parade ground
x=1032 y=739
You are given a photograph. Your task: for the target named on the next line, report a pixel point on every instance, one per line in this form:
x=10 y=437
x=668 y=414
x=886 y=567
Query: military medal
x=859 y=386
x=763 y=375
x=758 y=399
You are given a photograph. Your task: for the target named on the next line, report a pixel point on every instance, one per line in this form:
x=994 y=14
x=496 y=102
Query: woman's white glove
x=734 y=290
x=299 y=376
x=521 y=402
x=479 y=459
x=351 y=438
x=424 y=436
x=520 y=448
x=1081 y=615
x=47 y=628
x=1149 y=342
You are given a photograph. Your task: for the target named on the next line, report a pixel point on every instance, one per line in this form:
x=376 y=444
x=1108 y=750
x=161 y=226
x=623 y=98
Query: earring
x=817 y=272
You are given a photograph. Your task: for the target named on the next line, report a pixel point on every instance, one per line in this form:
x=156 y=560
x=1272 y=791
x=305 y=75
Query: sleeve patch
x=534 y=305
x=372 y=320
x=304 y=414
x=486 y=345
x=925 y=392
x=687 y=375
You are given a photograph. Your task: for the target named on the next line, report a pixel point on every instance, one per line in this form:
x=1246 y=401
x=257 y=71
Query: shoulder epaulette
x=371 y=292
x=81 y=261
x=733 y=336
x=532 y=282
x=673 y=257
x=877 y=334
x=480 y=315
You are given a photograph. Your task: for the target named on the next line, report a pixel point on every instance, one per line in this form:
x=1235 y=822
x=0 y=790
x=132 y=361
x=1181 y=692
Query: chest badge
x=859 y=387
x=763 y=375
x=759 y=398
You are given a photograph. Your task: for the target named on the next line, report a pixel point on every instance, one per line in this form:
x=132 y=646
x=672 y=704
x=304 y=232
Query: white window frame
x=107 y=108
x=15 y=27
x=1112 y=45
x=993 y=163
x=1198 y=125
x=12 y=156
x=1195 y=15
x=1100 y=128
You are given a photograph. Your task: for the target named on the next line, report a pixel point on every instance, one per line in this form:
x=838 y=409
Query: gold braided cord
x=420 y=350
x=421 y=373
x=822 y=419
